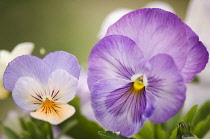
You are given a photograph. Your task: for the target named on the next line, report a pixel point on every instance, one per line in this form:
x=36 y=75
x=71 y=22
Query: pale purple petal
x=28 y=93
x=25 y=65
x=113 y=56
x=63 y=60
x=117 y=108
x=154 y=31
x=61 y=86
x=167 y=86
x=197 y=57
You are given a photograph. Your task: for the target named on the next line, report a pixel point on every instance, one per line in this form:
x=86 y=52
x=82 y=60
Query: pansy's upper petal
x=22 y=49
x=28 y=93
x=197 y=57
x=61 y=86
x=166 y=84
x=63 y=60
x=113 y=56
x=154 y=31
x=117 y=108
x=55 y=115
x=26 y=65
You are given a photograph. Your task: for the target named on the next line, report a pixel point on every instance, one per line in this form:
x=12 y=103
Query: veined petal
x=117 y=108
x=54 y=114
x=154 y=31
x=166 y=84
x=22 y=49
x=113 y=56
x=26 y=65
x=61 y=86
x=28 y=93
x=197 y=57
x=63 y=60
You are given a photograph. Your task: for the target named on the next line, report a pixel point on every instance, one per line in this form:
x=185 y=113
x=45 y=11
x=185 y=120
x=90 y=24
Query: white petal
x=56 y=115
x=110 y=19
x=25 y=48
x=61 y=86
x=161 y=5
x=28 y=93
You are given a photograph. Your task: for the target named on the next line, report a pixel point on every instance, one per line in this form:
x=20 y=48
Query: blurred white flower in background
x=6 y=57
x=198 y=18
x=84 y=94
x=110 y=19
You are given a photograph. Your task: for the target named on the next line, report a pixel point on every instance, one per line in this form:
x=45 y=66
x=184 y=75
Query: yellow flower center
x=48 y=103
x=138 y=85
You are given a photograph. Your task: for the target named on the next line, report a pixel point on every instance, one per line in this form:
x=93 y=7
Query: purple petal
x=63 y=60
x=113 y=56
x=197 y=56
x=25 y=65
x=166 y=84
x=117 y=108
x=154 y=31
x=28 y=93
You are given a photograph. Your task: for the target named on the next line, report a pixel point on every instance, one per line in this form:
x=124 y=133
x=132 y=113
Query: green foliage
x=188 y=119
x=112 y=135
x=195 y=123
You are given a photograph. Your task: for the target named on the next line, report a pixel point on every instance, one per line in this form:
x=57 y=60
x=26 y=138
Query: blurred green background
x=68 y=25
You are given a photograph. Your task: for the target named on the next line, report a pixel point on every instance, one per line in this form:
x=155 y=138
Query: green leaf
x=189 y=117
x=84 y=128
x=173 y=134
x=9 y=133
x=202 y=112
x=112 y=135
x=67 y=127
x=202 y=127
x=147 y=131
x=159 y=132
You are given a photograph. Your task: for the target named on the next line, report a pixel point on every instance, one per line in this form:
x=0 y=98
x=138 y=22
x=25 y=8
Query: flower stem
x=50 y=131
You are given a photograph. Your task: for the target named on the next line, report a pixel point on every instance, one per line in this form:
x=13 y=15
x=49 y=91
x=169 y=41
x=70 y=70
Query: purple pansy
x=138 y=71
x=44 y=86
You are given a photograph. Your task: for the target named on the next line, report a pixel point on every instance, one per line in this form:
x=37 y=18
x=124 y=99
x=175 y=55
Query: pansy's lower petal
x=28 y=93
x=61 y=86
x=54 y=113
x=154 y=31
x=63 y=60
x=113 y=56
x=25 y=65
x=197 y=57
x=166 y=84
x=117 y=108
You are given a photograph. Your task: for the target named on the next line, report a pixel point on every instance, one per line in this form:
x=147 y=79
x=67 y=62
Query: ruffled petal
x=26 y=65
x=55 y=114
x=117 y=108
x=28 y=93
x=113 y=56
x=166 y=84
x=63 y=60
x=154 y=31
x=197 y=57
x=61 y=86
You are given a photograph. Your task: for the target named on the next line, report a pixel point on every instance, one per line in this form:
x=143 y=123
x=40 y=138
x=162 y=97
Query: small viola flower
x=44 y=86
x=139 y=72
x=6 y=57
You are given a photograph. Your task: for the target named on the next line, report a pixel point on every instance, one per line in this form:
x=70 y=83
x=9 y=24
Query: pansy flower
x=44 y=86
x=138 y=71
